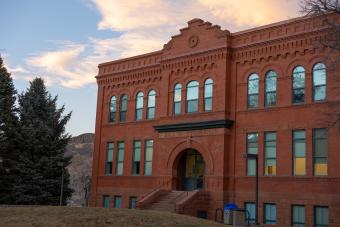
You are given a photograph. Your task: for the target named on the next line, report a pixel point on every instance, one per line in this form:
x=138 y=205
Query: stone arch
x=180 y=148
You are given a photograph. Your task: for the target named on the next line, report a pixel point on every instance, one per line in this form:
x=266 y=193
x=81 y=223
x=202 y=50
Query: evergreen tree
x=8 y=125
x=42 y=144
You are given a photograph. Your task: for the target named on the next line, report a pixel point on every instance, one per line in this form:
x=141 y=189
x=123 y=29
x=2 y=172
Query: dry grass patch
x=79 y=216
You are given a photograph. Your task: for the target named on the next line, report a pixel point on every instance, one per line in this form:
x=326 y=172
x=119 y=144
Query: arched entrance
x=190 y=171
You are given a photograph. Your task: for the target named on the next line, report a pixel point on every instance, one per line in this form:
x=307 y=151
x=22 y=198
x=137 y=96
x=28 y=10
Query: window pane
x=208 y=88
x=137 y=153
x=106 y=201
x=192 y=90
x=119 y=170
x=139 y=114
x=151 y=113
x=123 y=103
x=271 y=81
x=113 y=104
x=270 y=88
x=320 y=166
x=319 y=82
x=299 y=77
x=118 y=201
x=253 y=84
x=148 y=168
x=178 y=93
x=270 y=98
x=177 y=108
x=251 y=167
x=139 y=102
x=251 y=208
x=133 y=202
x=270 y=167
x=270 y=214
x=208 y=104
x=299 y=95
x=300 y=166
x=192 y=106
x=320 y=151
x=298 y=216
x=319 y=93
x=321 y=216
x=253 y=101
x=152 y=98
x=319 y=77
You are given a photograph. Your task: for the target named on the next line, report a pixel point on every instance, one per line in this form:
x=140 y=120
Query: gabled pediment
x=198 y=36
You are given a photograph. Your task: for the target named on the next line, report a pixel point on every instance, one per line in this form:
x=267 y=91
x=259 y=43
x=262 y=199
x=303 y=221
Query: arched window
x=123 y=107
x=253 y=91
x=192 y=96
x=270 y=88
x=151 y=104
x=177 y=98
x=139 y=106
x=208 y=94
x=298 y=85
x=113 y=108
x=319 y=82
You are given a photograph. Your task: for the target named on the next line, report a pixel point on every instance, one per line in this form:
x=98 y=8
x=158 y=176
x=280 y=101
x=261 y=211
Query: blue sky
x=63 y=41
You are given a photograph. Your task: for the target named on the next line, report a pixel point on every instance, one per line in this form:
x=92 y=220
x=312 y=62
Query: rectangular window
x=298 y=216
x=132 y=202
x=109 y=158
x=320 y=155
x=269 y=213
x=251 y=212
x=117 y=201
x=136 y=157
x=270 y=153
x=120 y=159
x=106 y=201
x=252 y=148
x=148 y=157
x=299 y=152
x=321 y=216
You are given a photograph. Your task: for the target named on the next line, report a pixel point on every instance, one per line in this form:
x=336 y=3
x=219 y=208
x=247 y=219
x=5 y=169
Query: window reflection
x=319 y=82
x=253 y=91
x=177 y=98
x=192 y=96
x=298 y=85
x=151 y=104
x=208 y=94
x=139 y=106
x=270 y=96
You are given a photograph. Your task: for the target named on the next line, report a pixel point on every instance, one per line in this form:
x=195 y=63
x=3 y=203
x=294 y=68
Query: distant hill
x=81 y=148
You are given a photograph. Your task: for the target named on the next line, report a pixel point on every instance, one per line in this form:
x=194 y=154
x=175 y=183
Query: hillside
x=81 y=148
x=84 y=216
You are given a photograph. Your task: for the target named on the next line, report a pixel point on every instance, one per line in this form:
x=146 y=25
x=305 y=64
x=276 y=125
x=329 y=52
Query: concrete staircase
x=167 y=202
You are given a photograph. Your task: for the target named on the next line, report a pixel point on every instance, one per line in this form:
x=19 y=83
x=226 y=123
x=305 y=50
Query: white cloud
x=144 y=26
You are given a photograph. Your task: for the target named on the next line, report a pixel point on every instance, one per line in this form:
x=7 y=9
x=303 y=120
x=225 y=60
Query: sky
x=63 y=41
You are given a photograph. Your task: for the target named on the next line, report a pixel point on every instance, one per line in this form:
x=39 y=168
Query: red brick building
x=173 y=126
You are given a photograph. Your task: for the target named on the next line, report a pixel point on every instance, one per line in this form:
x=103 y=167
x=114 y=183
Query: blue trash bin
x=228 y=213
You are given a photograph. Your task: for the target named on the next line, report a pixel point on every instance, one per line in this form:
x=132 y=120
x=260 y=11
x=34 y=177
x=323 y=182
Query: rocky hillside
x=81 y=148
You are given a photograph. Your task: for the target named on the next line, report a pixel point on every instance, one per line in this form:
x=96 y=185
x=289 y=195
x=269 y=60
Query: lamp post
x=256 y=157
x=61 y=164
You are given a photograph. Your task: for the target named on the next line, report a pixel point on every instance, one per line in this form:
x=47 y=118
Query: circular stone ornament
x=193 y=41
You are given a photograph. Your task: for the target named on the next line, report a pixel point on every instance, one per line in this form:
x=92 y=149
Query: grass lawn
x=79 y=216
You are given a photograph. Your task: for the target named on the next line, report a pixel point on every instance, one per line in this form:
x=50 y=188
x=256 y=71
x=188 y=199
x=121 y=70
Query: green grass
x=79 y=216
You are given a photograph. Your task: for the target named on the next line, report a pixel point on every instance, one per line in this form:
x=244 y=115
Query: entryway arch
x=190 y=170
